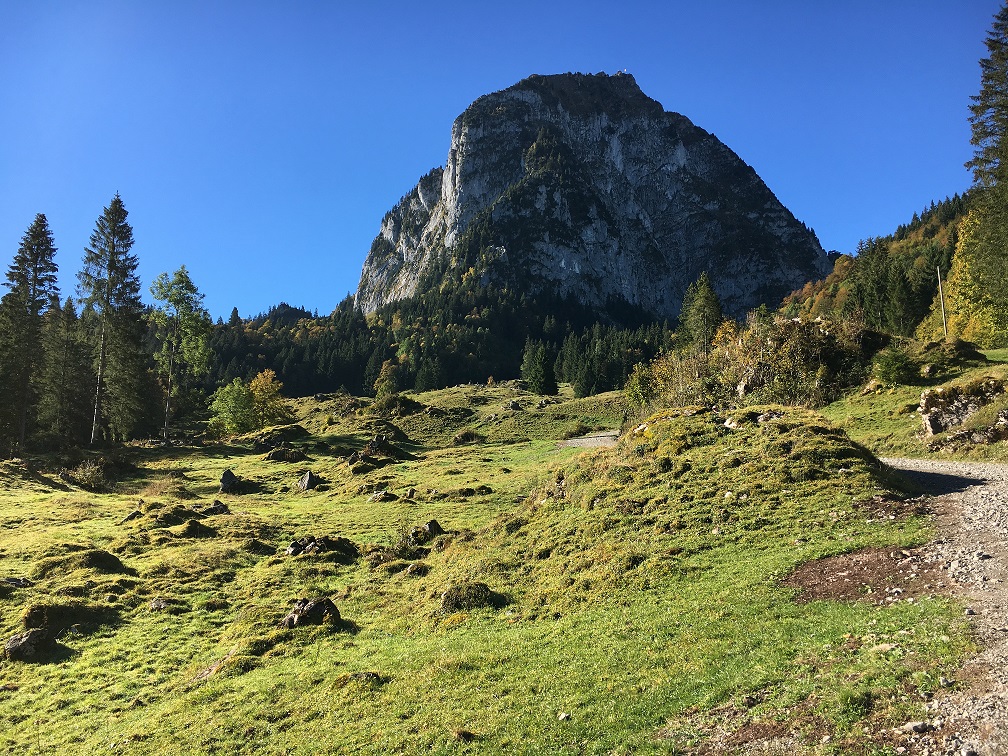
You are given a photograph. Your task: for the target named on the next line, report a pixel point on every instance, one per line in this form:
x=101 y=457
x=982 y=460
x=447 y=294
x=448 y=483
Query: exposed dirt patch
x=879 y=576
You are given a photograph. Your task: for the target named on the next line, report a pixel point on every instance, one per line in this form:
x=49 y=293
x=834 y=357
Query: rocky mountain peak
x=583 y=187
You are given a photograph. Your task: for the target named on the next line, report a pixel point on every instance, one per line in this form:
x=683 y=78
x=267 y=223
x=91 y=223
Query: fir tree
x=65 y=377
x=989 y=122
x=537 y=368
x=32 y=283
x=701 y=314
x=110 y=290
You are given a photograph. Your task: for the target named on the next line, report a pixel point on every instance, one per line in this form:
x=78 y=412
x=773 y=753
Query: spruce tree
x=537 y=368
x=110 y=290
x=989 y=122
x=65 y=376
x=31 y=279
x=701 y=314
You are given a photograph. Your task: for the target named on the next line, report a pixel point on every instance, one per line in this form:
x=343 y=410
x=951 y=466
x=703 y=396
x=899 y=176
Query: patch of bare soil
x=880 y=576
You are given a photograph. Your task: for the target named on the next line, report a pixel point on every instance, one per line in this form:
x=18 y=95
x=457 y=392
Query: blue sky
x=260 y=144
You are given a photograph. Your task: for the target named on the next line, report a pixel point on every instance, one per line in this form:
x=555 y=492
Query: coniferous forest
x=99 y=366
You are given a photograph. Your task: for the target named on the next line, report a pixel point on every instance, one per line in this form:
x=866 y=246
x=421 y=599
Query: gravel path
x=602 y=438
x=971 y=508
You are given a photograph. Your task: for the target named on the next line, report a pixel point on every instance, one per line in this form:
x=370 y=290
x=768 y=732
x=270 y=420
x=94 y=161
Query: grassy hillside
x=626 y=599
x=886 y=420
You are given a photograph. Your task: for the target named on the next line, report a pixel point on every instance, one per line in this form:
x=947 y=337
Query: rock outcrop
x=582 y=187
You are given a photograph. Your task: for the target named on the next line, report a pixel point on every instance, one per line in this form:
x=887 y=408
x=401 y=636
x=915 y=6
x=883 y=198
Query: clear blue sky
x=260 y=143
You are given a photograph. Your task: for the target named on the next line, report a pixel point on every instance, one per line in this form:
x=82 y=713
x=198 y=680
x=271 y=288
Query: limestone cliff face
x=582 y=186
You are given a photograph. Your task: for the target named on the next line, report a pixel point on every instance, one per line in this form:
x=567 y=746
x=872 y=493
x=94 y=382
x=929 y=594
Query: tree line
x=99 y=367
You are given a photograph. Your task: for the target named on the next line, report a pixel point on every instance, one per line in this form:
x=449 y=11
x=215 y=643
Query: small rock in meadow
x=564 y=716
x=311 y=612
x=228 y=482
x=309 y=481
x=29 y=645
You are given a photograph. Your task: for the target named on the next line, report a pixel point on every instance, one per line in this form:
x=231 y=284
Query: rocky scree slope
x=582 y=187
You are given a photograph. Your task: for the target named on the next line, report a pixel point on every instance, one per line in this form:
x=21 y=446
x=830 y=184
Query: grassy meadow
x=616 y=600
x=887 y=421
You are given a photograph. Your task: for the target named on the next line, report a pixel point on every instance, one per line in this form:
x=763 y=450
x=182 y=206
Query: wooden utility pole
x=941 y=296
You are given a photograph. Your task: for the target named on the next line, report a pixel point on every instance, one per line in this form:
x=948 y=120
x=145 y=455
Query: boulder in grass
x=309 y=481
x=311 y=612
x=428 y=531
x=228 y=483
x=29 y=645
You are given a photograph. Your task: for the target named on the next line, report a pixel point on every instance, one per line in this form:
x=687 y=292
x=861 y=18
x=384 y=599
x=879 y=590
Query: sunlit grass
x=640 y=589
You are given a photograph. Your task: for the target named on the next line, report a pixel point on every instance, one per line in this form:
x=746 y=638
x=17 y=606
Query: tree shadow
x=933 y=483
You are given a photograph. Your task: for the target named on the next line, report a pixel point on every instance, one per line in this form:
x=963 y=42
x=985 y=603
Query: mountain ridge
x=583 y=186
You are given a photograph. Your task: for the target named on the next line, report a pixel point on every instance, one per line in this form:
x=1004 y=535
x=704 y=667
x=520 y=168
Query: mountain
x=582 y=188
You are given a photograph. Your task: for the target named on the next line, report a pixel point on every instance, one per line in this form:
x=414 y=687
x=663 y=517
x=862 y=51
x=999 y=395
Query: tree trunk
x=98 y=384
x=171 y=363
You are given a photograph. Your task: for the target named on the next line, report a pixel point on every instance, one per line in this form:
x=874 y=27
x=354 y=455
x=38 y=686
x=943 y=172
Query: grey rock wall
x=583 y=186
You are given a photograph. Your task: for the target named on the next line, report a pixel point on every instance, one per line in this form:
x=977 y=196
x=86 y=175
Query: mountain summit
x=582 y=187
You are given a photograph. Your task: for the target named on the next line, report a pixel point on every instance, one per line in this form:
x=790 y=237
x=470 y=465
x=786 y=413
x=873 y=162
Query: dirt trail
x=601 y=438
x=971 y=509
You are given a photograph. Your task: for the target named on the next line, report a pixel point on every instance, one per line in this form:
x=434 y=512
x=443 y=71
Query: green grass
x=638 y=590
x=887 y=421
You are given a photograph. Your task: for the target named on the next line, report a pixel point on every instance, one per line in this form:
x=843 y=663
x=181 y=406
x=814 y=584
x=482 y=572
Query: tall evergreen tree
x=110 y=290
x=989 y=122
x=537 y=368
x=989 y=111
x=65 y=376
x=183 y=327
x=701 y=314
x=31 y=279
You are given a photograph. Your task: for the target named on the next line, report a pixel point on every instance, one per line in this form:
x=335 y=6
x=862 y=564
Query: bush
x=232 y=409
x=89 y=475
x=894 y=367
x=239 y=408
x=767 y=361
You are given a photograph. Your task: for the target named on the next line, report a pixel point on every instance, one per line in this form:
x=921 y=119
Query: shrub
x=233 y=409
x=89 y=475
x=893 y=367
x=767 y=361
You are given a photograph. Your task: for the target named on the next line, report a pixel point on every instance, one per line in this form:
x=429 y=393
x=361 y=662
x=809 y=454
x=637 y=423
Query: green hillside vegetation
x=891 y=283
x=627 y=599
x=885 y=418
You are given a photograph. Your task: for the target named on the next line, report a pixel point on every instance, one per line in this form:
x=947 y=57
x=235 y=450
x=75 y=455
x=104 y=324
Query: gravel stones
x=972 y=549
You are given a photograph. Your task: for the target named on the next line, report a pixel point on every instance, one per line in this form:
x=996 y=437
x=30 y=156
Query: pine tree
x=536 y=368
x=989 y=122
x=701 y=314
x=989 y=111
x=32 y=283
x=65 y=376
x=110 y=290
x=183 y=326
